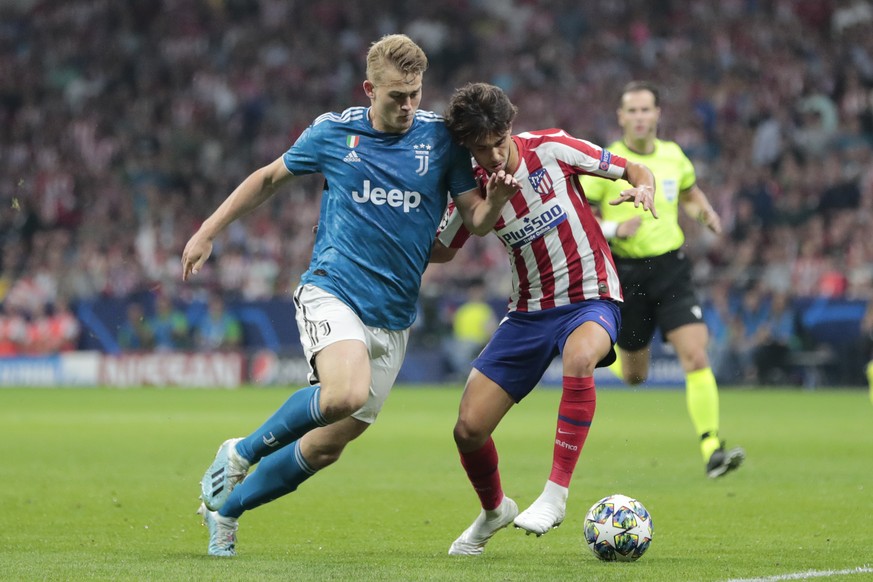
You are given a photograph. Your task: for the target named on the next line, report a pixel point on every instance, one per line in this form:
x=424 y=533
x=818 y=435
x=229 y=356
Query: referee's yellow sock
x=701 y=397
x=615 y=367
x=870 y=378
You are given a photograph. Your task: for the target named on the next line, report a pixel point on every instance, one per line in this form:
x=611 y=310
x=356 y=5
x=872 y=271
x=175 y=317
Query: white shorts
x=323 y=319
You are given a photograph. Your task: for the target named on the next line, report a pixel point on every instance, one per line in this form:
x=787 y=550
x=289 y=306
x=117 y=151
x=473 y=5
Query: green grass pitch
x=102 y=485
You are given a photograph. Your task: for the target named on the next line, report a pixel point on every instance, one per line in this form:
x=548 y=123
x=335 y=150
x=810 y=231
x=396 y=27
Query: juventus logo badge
x=422 y=154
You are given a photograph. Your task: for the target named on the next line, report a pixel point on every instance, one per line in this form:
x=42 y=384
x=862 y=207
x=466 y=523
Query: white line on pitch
x=806 y=575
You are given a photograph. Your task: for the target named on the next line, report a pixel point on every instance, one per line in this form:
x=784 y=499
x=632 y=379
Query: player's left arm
x=642 y=192
x=696 y=205
x=440 y=253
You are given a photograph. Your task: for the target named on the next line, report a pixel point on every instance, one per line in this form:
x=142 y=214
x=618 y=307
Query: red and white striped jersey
x=556 y=248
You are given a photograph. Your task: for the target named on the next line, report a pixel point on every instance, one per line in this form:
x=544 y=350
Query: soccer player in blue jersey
x=388 y=168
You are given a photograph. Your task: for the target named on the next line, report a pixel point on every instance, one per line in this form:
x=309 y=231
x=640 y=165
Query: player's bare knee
x=579 y=365
x=634 y=379
x=468 y=436
x=695 y=360
x=341 y=406
x=324 y=455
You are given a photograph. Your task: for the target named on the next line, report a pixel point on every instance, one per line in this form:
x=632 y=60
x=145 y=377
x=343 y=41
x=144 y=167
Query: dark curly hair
x=477 y=111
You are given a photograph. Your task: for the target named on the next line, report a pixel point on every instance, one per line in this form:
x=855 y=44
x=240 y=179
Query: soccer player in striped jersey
x=388 y=169
x=565 y=298
x=655 y=273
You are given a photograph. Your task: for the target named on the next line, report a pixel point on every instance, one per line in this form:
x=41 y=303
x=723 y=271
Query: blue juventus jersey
x=383 y=199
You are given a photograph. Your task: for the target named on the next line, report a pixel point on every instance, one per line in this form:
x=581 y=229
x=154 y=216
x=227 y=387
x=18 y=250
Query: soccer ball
x=618 y=528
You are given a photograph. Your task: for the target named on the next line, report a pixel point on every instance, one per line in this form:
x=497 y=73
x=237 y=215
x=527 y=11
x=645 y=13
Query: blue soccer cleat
x=222 y=532
x=226 y=472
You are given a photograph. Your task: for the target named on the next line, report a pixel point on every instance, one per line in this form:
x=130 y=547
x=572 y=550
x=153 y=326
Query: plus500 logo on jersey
x=394 y=198
x=530 y=228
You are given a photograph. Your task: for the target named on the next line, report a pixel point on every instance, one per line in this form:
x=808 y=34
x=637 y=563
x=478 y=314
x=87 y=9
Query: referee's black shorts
x=658 y=292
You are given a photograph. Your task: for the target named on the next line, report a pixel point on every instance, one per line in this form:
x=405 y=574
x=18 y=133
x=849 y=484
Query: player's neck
x=379 y=124
x=512 y=162
x=643 y=146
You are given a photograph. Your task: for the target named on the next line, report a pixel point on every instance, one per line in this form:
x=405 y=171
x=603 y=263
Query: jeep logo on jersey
x=422 y=154
x=541 y=182
x=394 y=198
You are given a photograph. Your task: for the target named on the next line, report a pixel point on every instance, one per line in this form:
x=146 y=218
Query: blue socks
x=297 y=416
x=278 y=474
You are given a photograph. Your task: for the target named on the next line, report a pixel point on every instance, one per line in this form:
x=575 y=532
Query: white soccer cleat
x=222 y=532
x=472 y=541
x=546 y=513
x=226 y=472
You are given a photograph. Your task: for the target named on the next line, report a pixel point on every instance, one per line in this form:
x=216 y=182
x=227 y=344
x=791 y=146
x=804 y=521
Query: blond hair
x=398 y=51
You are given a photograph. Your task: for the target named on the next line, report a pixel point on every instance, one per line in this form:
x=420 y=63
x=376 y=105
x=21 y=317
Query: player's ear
x=370 y=89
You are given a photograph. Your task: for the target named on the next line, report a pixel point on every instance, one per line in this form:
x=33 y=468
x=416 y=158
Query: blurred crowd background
x=124 y=124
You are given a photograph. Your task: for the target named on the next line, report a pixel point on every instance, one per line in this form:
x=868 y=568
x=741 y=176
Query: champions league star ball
x=618 y=529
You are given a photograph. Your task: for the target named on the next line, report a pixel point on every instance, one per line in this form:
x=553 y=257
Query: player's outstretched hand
x=500 y=187
x=640 y=196
x=195 y=254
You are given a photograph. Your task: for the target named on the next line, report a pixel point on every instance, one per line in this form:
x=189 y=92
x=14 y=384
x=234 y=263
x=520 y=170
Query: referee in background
x=655 y=274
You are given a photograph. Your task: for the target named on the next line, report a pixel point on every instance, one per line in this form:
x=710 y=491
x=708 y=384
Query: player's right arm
x=480 y=213
x=643 y=188
x=258 y=187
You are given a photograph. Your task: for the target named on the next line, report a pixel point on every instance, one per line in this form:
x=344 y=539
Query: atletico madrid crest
x=541 y=182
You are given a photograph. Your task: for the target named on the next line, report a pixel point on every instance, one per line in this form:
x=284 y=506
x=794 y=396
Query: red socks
x=481 y=468
x=575 y=413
